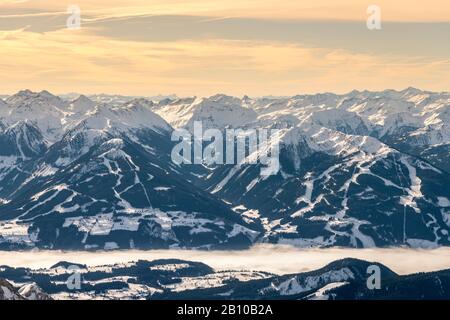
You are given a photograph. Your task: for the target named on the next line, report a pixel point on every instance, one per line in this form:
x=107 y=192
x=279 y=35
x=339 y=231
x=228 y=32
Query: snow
x=14 y=231
x=43 y=108
x=421 y=243
x=133 y=115
x=103 y=224
x=335 y=118
x=7 y=294
x=100 y=224
x=219 y=112
x=162 y=188
x=31 y=292
x=446 y=218
x=414 y=192
x=226 y=294
x=170 y=267
x=55 y=191
x=7 y=161
x=111 y=246
x=238 y=229
x=321 y=294
x=225 y=180
x=248 y=215
x=295 y=285
x=82 y=104
x=302 y=242
x=177 y=113
x=342 y=126
x=443 y=202
x=215 y=280
x=252 y=184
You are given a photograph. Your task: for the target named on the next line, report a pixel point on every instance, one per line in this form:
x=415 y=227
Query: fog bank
x=279 y=259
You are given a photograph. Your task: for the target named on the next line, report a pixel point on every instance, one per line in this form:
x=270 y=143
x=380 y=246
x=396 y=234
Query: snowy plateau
x=363 y=169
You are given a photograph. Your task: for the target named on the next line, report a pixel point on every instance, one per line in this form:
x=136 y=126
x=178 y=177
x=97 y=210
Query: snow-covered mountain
x=8 y=291
x=29 y=291
x=362 y=169
x=44 y=109
x=109 y=183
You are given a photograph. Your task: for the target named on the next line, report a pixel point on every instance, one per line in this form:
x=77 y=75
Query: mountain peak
x=67 y=265
x=21 y=95
x=223 y=99
x=32 y=291
x=221 y=111
x=32 y=94
x=82 y=97
x=131 y=115
x=45 y=93
x=28 y=97
x=412 y=89
x=139 y=103
x=8 y=291
x=25 y=92
x=82 y=104
x=3 y=103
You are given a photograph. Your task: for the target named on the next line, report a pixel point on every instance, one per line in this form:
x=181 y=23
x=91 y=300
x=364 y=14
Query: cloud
x=201 y=47
x=394 y=38
x=399 y=10
x=68 y=60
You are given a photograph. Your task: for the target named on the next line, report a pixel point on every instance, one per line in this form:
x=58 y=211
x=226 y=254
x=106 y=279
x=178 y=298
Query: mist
x=278 y=259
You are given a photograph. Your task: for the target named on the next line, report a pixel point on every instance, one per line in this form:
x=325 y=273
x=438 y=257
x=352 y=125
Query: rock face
x=26 y=292
x=33 y=292
x=363 y=169
x=8 y=291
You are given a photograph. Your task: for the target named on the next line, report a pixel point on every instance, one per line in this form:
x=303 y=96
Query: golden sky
x=202 y=47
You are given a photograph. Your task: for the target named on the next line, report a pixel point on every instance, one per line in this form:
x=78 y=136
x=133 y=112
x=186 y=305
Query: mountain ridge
x=361 y=169
x=175 y=279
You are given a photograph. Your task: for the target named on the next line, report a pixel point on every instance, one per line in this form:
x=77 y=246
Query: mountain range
x=363 y=169
x=177 y=279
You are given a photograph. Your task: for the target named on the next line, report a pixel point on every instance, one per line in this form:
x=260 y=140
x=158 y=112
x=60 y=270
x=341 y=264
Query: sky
x=204 y=47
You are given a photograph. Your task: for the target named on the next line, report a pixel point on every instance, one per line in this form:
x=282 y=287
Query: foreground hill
x=177 y=279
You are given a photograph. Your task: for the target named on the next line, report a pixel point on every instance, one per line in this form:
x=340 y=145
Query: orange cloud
x=68 y=60
x=399 y=10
